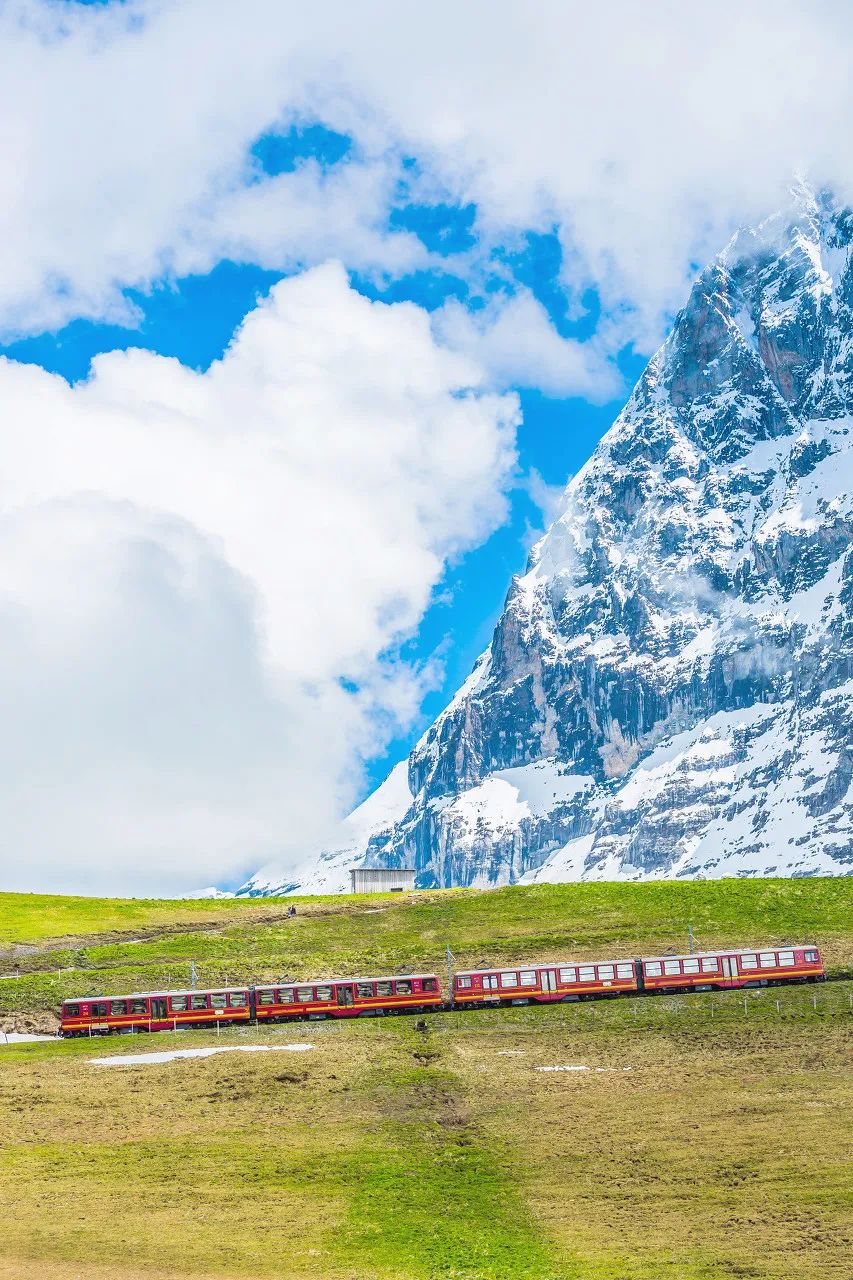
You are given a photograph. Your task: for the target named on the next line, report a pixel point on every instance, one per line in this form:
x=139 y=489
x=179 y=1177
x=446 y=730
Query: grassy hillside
x=704 y=1141
x=71 y=946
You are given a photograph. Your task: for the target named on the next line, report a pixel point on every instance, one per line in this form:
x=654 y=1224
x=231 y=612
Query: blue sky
x=193 y=319
x=272 y=293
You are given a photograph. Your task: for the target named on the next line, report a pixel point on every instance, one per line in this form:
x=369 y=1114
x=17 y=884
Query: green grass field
x=707 y=1138
x=64 y=947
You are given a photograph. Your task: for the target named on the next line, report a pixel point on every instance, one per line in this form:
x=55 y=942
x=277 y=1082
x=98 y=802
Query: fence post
x=745 y=1010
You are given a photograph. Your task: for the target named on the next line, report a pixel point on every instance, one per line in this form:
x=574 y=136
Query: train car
x=348 y=997
x=543 y=984
x=155 y=1011
x=712 y=970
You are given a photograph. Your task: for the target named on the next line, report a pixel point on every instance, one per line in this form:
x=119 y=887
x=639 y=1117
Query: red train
x=155 y=1011
x=417 y=993
x=282 y=1002
x=594 y=979
x=349 y=997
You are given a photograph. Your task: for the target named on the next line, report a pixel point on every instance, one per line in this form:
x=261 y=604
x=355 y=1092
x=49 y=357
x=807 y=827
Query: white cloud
x=191 y=564
x=549 y=498
x=513 y=338
x=124 y=158
x=640 y=132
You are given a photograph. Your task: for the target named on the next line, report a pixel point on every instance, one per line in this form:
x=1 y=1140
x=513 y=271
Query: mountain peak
x=669 y=689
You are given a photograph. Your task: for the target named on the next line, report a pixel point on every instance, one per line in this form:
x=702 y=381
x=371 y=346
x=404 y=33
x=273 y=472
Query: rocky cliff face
x=669 y=690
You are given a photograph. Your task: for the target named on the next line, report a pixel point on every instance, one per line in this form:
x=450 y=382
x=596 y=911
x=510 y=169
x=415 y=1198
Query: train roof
x=732 y=951
x=322 y=982
x=163 y=991
x=539 y=964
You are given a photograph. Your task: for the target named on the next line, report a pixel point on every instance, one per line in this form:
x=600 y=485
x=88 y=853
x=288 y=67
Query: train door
x=548 y=979
x=490 y=983
x=346 y=996
x=158 y=1010
x=730 y=969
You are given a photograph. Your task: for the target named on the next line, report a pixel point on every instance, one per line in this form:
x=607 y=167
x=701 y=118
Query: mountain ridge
x=669 y=687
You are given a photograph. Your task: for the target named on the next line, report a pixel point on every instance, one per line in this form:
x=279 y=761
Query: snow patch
x=172 y=1055
x=20 y=1037
x=578 y=1067
x=508 y=796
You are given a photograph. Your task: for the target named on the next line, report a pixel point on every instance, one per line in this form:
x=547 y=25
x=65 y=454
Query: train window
x=138 y=1006
x=179 y=1003
x=383 y=988
x=527 y=978
x=810 y=956
x=586 y=974
x=605 y=971
x=653 y=968
x=98 y=1010
x=691 y=966
x=266 y=997
x=198 y=1002
x=304 y=994
x=463 y=983
x=749 y=962
x=324 y=993
x=364 y=990
x=117 y=1008
x=568 y=975
x=217 y=1000
x=768 y=959
x=671 y=966
x=709 y=964
x=72 y=1011
x=624 y=971
x=237 y=999
x=786 y=957
x=286 y=996
x=509 y=979
x=430 y=984
x=404 y=987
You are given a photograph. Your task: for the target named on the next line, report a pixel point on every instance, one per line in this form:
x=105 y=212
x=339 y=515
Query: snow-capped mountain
x=669 y=690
